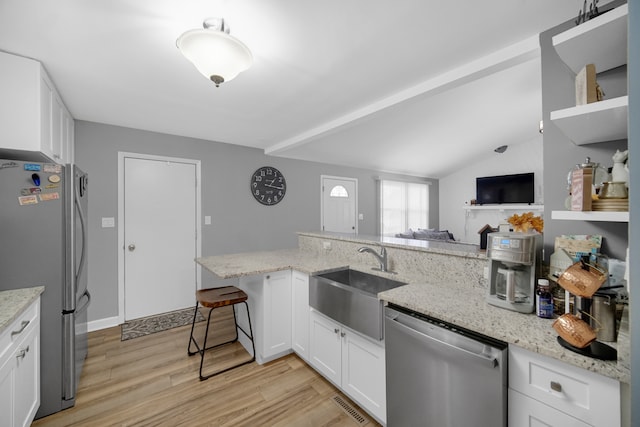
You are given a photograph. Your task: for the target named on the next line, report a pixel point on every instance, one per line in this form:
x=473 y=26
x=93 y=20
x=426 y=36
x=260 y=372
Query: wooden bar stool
x=215 y=298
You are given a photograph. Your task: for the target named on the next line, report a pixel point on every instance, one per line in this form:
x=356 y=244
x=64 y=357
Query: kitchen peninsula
x=445 y=281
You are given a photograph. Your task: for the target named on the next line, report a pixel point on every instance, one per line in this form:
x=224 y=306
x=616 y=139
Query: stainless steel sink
x=351 y=298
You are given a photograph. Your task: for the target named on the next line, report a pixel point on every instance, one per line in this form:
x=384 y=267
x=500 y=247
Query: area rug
x=161 y=322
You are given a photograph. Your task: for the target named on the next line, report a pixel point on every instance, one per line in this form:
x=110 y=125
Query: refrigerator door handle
x=83 y=227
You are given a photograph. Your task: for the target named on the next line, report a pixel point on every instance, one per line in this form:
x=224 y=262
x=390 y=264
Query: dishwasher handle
x=484 y=358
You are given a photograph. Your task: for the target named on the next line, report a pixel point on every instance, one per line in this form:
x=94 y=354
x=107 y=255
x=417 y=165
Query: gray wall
x=239 y=223
x=560 y=154
x=634 y=231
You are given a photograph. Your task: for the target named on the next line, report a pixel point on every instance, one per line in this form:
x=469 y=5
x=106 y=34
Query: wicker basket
x=582 y=279
x=574 y=330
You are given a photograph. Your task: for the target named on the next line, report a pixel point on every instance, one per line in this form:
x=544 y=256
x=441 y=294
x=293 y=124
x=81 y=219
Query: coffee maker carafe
x=512 y=270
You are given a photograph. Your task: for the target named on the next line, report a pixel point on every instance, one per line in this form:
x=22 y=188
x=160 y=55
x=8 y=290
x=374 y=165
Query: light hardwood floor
x=151 y=381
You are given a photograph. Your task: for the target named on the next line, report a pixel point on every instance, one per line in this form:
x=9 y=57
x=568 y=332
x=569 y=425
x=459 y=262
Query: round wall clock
x=268 y=185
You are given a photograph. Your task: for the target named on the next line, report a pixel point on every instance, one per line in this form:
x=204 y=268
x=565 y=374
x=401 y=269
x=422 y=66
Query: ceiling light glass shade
x=219 y=56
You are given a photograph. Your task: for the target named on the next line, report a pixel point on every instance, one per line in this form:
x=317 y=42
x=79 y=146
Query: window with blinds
x=403 y=205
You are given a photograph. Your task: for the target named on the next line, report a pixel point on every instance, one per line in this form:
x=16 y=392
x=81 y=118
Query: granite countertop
x=464 y=306
x=434 y=246
x=250 y=264
x=14 y=302
x=467 y=308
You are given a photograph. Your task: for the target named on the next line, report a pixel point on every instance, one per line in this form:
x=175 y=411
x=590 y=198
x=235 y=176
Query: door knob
x=132 y=247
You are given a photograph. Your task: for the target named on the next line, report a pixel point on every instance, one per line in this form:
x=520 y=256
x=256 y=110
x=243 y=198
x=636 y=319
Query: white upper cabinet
x=32 y=115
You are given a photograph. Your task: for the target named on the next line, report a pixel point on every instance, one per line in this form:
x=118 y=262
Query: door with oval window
x=339 y=204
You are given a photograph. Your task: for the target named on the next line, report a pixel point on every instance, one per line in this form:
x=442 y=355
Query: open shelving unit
x=505 y=207
x=604 y=38
x=591 y=216
x=596 y=122
x=601 y=41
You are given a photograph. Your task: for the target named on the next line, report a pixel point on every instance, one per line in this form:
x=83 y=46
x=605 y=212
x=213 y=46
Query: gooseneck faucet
x=381 y=257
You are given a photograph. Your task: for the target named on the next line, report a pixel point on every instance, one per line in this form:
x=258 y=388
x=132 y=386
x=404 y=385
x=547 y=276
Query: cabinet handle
x=556 y=386
x=342 y=334
x=22 y=326
x=22 y=353
x=336 y=330
x=268 y=277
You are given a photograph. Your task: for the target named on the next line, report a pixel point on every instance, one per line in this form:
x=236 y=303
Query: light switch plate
x=108 y=222
x=207 y=220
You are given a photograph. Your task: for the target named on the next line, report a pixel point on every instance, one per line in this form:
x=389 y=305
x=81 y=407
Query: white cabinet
x=325 y=347
x=363 y=373
x=527 y=412
x=354 y=363
x=300 y=314
x=270 y=307
x=20 y=369
x=32 y=115
x=601 y=41
x=545 y=389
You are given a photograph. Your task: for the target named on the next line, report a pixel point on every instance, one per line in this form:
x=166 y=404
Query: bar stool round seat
x=214 y=298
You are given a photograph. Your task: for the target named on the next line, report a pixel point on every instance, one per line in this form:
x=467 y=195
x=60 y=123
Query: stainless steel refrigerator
x=43 y=242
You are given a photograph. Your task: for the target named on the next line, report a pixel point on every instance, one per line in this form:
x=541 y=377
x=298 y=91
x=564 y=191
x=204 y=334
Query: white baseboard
x=109 y=322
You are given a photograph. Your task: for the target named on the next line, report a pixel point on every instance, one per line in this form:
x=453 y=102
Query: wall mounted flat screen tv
x=517 y=188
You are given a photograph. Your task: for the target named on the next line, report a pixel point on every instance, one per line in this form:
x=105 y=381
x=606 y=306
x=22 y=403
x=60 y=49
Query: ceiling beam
x=503 y=59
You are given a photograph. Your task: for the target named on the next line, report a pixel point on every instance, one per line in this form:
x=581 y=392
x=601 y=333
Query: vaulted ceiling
x=409 y=86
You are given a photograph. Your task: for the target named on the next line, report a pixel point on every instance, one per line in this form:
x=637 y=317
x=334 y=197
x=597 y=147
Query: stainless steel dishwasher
x=439 y=375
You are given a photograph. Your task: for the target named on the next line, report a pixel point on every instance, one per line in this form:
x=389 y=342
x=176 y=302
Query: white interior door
x=160 y=242
x=339 y=204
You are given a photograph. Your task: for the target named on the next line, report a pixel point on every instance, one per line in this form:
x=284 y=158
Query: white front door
x=159 y=235
x=339 y=204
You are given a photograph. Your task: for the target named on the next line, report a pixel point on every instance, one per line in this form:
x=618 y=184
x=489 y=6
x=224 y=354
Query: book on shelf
x=587 y=90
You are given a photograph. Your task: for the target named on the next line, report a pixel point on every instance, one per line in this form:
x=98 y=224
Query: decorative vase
x=620 y=171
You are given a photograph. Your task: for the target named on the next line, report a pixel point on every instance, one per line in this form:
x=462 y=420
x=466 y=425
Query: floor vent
x=350 y=410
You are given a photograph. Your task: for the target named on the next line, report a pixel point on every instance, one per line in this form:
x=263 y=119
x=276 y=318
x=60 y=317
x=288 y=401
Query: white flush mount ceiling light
x=219 y=56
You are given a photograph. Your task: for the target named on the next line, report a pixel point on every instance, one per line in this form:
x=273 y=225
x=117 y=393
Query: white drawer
x=527 y=412
x=585 y=395
x=16 y=330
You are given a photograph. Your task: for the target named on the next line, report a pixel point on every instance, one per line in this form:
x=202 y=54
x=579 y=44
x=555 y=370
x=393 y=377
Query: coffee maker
x=512 y=270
